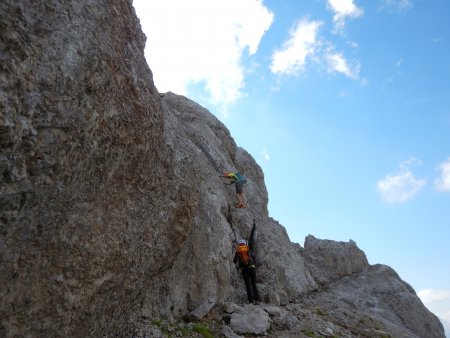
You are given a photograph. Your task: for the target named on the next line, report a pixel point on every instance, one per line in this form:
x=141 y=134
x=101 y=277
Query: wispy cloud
x=442 y=183
x=203 y=44
x=431 y=295
x=445 y=320
x=265 y=154
x=396 y=5
x=343 y=10
x=301 y=44
x=437 y=39
x=338 y=64
x=353 y=44
x=304 y=44
x=438 y=301
x=401 y=186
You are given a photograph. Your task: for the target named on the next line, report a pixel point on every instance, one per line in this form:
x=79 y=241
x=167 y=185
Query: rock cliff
x=114 y=220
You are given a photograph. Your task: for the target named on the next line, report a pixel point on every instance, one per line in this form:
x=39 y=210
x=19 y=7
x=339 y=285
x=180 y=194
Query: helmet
x=242 y=241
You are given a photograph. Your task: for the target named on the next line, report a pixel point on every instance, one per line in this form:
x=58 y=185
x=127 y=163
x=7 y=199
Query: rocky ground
x=293 y=320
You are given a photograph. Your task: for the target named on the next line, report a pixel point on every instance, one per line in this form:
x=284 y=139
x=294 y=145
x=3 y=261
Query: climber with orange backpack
x=238 y=180
x=245 y=259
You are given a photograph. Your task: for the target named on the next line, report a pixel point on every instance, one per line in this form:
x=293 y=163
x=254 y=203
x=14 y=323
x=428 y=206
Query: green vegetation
x=320 y=312
x=311 y=334
x=203 y=330
x=184 y=330
x=180 y=330
x=370 y=322
x=157 y=322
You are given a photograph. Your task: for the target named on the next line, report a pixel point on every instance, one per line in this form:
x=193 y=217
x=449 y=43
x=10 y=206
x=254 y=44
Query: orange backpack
x=243 y=252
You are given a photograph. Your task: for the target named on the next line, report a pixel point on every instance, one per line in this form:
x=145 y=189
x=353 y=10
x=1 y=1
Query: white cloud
x=443 y=182
x=353 y=44
x=429 y=295
x=202 y=42
x=438 y=301
x=304 y=44
x=301 y=44
x=446 y=323
x=410 y=162
x=344 y=9
x=396 y=5
x=399 y=188
x=338 y=64
x=266 y=155
x=402 y=186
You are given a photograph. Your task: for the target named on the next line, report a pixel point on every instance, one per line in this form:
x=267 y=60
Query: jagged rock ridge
x=112 y=211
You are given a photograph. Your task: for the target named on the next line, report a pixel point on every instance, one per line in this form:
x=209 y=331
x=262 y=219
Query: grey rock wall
x=375 y=300
x=330 y=260
x=81 y=172
x=112 y=211
x=203 y=273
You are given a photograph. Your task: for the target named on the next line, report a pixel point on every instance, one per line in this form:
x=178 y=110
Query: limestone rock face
x=330 y=260
x=376 y=300
x=83 y=185
x=112 y=211
x=203 y=273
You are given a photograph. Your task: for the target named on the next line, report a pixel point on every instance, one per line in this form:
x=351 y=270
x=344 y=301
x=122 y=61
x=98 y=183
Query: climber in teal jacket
x=238 y=180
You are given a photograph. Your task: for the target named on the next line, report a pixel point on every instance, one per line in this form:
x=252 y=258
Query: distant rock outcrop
x=114 y=220
x=329 y=260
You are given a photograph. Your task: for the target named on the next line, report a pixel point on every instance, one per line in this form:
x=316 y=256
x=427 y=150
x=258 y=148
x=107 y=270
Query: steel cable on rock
x=208 y=155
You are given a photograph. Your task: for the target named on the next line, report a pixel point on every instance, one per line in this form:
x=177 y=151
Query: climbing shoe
x=239 y=205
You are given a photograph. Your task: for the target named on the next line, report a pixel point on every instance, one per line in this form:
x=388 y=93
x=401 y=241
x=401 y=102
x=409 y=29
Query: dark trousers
x=249 y=275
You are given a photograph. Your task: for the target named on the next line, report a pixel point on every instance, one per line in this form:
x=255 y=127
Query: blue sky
x=344 y=104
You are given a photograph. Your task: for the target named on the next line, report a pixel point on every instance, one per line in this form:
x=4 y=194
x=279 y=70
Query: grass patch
x=311 y=334
x=180 y=330
x=320 y=312
x=157 y=322
x=203 y=330
x=184 y=330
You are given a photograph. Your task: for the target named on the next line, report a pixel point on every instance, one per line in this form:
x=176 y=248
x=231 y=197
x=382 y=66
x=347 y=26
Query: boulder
x=250 y=320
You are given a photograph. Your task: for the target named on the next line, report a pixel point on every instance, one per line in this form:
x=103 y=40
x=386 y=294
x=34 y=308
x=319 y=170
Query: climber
x=239 y=181
x=246 y=260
